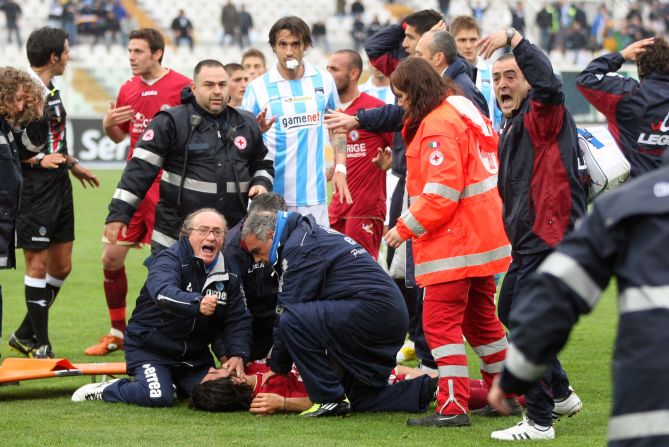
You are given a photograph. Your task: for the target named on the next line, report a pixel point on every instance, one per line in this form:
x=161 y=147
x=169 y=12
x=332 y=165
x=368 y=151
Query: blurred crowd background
x=572 y=33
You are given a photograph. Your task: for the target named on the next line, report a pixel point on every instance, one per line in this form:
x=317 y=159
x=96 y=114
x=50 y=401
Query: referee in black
x=45 y=224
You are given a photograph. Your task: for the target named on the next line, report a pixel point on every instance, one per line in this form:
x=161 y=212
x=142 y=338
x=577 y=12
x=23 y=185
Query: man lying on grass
x=222 y=391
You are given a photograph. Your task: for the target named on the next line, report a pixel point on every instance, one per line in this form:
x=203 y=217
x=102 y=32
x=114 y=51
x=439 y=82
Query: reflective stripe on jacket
x=455 y=212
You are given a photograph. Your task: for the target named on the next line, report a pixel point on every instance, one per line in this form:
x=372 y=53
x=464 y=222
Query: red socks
x=116 y=288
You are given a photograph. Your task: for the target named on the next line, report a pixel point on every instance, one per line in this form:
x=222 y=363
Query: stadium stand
x=99 y=71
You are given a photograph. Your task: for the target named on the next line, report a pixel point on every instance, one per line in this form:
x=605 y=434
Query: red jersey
x=366 y=181
x=288 y=385
x=147 y=100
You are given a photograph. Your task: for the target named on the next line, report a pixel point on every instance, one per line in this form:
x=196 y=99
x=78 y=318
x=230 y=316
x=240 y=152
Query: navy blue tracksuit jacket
x=261 y=288
x=167 y=341
x=334 y=297
x=166 y=324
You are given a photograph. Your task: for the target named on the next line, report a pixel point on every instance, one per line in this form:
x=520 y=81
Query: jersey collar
x=47 y=90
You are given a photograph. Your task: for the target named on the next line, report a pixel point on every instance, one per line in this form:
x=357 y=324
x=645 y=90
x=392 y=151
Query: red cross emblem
x=148 y=135
x=240 y=142
x=436 y=158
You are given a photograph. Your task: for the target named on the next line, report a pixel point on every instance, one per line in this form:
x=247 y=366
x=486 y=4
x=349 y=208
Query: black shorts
x=47 y=212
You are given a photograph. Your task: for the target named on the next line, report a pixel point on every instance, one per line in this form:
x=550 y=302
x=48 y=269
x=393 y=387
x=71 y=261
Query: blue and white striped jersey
x=296 y=141
x=485 y=86
x=385 y=94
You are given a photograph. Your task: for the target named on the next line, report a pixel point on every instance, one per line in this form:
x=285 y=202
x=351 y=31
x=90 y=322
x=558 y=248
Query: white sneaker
x=92 y=391
x=522 y=431
x=568 y=406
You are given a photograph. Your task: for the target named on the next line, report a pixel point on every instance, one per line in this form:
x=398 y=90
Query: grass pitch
x=40 y=412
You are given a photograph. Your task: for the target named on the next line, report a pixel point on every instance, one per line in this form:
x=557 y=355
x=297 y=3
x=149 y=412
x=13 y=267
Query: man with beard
x=294 y=96
x=363 y=219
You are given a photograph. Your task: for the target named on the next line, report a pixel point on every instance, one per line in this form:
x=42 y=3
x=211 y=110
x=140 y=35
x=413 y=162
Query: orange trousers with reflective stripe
x=451 y=309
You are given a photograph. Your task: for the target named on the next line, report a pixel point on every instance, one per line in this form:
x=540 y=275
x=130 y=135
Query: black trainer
x=43 y=352
x=342 y=408
x=23 y=346
x=441 y=420
x=488 y=411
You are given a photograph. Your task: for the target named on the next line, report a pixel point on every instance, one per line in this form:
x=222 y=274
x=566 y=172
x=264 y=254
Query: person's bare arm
x=339 y=177
x=270 y=403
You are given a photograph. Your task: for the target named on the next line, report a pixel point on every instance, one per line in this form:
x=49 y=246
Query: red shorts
x=141 y=224
x=364 y=230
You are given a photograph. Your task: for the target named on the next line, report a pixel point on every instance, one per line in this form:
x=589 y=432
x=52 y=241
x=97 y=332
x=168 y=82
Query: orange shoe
x=107 y=344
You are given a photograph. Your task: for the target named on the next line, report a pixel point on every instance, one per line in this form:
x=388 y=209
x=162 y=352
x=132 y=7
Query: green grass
x=40 y=412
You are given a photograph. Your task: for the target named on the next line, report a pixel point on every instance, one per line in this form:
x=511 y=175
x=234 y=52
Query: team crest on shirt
x=354 y=135
x=240 y=142
x=164 y=107
x=436 y=158
x=148 y=135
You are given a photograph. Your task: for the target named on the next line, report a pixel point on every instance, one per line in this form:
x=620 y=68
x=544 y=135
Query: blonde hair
x=13 y=81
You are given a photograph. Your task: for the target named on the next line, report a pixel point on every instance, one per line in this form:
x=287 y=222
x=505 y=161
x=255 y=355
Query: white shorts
x=320 y=213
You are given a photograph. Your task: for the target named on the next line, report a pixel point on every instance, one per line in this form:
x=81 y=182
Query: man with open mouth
x=543 y=196
x=188 y=304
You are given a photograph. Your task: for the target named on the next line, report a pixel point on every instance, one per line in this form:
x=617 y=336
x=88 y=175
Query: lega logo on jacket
x=658 y=136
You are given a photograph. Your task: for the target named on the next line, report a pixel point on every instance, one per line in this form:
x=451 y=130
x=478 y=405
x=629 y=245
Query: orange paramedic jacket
x=455 y=211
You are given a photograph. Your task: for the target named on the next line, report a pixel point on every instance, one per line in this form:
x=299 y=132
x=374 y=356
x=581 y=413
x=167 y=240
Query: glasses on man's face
x=204 y=231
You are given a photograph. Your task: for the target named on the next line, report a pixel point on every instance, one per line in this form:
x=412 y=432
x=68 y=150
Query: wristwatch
x=75 y=161
x=509 y=35
x=38 y=159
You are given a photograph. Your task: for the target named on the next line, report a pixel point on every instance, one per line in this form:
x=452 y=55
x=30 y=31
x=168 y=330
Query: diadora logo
x=221 y=296
x=301 y=120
